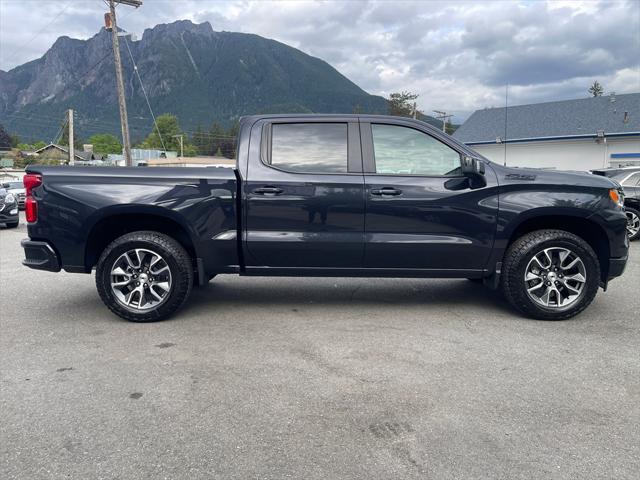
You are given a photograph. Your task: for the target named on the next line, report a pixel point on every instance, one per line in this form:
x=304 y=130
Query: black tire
x=175 y=257
x=13 y=225
x=636 y=214
x=521 y=253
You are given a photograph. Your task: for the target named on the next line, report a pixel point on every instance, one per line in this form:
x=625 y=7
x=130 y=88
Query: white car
x=17 y=188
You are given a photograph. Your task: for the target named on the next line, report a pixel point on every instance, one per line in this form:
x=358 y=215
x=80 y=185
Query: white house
x=581 y=134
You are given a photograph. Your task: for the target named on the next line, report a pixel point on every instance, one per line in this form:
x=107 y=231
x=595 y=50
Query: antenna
x=506 y=110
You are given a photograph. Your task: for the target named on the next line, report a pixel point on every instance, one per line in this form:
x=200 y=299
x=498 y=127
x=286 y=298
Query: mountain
x=187 y=69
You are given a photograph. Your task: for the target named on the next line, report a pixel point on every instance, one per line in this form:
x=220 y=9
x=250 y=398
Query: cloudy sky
x=457 y=55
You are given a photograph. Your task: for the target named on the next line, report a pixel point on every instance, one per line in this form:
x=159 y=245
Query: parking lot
x=314 y=378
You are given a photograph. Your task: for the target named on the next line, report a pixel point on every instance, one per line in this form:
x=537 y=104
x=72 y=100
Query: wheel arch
x=589 y=230
x=114 y=223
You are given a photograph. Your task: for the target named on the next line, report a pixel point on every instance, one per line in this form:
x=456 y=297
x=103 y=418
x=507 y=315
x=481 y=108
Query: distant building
x=57 y=152
x=578 y=134
x=140 y=156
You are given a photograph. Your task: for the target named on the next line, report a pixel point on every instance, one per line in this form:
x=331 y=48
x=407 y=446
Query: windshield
x=621 y=176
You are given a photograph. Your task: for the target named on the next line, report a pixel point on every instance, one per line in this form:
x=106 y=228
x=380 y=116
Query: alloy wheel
x=140 y=279
x=555 y=277
x=633 y=223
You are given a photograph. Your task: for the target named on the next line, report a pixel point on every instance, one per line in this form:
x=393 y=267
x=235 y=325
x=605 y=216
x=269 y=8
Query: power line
x=28 y=42
x=135 y=69
x=59 y=133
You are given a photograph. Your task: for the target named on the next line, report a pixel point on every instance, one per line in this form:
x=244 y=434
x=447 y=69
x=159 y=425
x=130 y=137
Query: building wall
x=584 y=154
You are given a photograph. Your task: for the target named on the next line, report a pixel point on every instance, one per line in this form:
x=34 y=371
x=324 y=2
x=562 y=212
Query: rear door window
x=309 y=147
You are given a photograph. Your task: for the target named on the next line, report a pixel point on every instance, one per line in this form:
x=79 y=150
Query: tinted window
x=309 y=147
x=405 y=151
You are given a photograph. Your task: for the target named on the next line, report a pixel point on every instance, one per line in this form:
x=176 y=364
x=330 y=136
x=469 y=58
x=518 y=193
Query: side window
x=405 y=151
x=309 y=147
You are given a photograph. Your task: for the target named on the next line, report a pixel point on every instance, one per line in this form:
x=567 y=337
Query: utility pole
x=181 y=139
x=72 y=149
x=415 y=110
x=440 y=115
x=124 y=119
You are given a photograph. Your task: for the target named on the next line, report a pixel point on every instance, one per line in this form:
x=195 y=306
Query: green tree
x=401 y=104
x=596 y=90
x=199 y=140
x=217 y=136
x=5 y=139
x=169 y=130
x=104 y=144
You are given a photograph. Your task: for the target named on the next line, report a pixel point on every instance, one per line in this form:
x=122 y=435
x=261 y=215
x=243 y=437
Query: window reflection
x=309 y=147
x=405 y=151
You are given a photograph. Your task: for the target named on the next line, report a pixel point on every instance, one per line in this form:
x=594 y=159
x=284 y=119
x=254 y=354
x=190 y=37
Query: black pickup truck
x=330 y=195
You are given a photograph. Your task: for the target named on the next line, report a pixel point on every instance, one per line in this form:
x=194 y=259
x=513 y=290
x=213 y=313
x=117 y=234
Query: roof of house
x=78 y=154
x=613 y=114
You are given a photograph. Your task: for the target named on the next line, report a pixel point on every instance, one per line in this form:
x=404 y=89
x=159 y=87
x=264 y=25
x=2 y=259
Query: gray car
x=8 y=209
x=17 y=188
x=629 y=178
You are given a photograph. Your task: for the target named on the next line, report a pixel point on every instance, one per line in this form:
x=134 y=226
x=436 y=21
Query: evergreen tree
x=596 y=90
x=401 y=104
x=5 y=139
x=169 y=128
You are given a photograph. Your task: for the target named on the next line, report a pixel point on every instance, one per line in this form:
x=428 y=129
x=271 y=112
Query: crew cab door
x=421 y=212
x=304 y=196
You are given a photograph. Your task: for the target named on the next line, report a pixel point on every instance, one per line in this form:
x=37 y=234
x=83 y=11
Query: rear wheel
x=144 y=276
x=550 y=274
x=633 y=223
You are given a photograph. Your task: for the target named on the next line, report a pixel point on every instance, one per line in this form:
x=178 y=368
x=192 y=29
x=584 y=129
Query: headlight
x=10 y=198
x=617 y=197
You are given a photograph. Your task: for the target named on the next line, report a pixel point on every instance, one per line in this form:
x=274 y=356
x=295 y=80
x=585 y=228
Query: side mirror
x=473 y=169
x=472 y=166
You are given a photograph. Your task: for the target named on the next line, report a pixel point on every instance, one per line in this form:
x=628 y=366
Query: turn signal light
x=30 y=182
x=616 y=197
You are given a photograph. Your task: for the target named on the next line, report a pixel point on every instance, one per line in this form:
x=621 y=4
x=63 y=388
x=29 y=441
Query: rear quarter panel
x=73 y=200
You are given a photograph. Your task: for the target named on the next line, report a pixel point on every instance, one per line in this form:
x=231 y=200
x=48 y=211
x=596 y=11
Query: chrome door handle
x=268 y=191
x=386 y=191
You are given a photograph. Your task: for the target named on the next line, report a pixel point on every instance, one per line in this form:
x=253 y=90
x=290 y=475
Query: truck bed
x=77 y=210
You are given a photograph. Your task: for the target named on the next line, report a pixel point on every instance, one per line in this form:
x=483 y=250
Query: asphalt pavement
x=271 y=378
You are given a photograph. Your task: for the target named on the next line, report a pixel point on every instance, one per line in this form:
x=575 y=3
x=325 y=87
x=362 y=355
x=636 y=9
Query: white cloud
x=457 y=55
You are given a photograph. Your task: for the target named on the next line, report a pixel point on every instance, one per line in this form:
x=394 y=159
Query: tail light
x=30 y=182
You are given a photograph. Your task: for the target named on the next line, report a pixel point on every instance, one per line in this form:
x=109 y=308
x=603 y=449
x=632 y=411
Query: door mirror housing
x=473 y=169
x=472 y=166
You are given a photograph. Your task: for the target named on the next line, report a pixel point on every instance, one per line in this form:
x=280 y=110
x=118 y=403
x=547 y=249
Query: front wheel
x=12 y=225
x=633 y=223
x=550 y=274
x=144 y=276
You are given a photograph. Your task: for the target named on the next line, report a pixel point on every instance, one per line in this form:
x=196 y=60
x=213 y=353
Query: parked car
x=17 y=188
x=629 y=179
x=8 y=209
x=330 y=195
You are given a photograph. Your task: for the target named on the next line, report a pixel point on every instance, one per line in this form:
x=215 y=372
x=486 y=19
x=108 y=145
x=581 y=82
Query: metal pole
x=124 y=120
x=72 y=149
x=181 y=139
